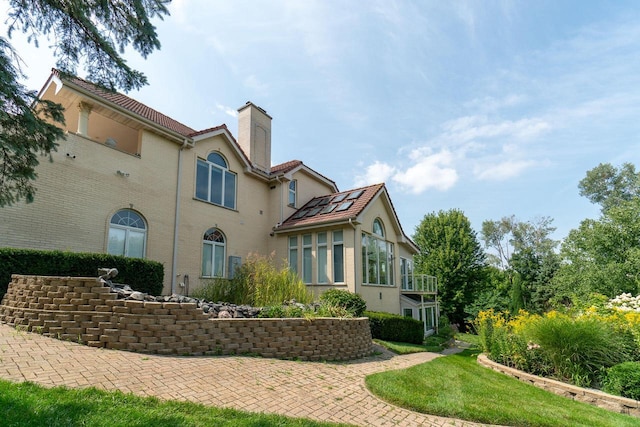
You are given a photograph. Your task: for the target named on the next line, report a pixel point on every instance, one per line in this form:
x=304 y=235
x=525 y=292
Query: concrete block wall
x=590 y=396
x=83 y=310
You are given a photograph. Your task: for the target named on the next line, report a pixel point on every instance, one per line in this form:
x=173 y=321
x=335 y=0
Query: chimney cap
x=251 y=104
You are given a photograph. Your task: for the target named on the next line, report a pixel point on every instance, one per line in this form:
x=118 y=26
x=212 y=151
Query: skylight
x=355 y=194
x=300 y=214
x=314 y=211
x=339 y=198
x=313 y=203
x=329 y=208
x=344 y=206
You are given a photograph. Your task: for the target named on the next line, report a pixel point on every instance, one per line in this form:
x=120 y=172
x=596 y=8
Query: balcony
x=421 y=284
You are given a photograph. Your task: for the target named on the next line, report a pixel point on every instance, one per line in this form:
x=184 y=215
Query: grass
x=432 y=344
x=469 y=338
x=29 y=405
x=457 y=386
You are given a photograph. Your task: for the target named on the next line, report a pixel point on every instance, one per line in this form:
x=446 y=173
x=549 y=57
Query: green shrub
x=352 y=303
x=257 y=283
x=393 y=327
x=141 y=274
x=623 y=380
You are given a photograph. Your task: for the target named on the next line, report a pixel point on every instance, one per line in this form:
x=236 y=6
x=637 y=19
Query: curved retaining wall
x=593 y=397
x=83 y=310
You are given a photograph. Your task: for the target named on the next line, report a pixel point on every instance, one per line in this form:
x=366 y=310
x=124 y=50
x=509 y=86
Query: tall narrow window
x=214 y=182
x=293 y=187
x=293 y=253
x=406 y=273
x=213 y=253
x=377 y=257
x=338 y=257
x=307 y=258
x=321 y=254
x=127 y=234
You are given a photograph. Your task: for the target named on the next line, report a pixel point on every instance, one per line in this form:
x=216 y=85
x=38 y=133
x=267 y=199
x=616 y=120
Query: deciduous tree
x=609 y=186
x=602 y=256
x=524 y=251
x=449 y=250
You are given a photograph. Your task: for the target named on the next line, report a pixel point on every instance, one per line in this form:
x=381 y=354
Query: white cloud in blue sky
x=493 y=107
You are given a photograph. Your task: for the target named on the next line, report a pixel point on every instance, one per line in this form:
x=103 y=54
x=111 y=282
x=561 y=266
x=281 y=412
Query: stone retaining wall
x=591 y=396
x=83 y=310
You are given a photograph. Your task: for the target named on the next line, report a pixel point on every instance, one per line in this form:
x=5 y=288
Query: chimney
x=254 y=135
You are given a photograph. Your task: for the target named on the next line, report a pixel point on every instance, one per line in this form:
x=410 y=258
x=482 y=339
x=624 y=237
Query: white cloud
x=503 y=170
x=469 y=128
x=375 y=174
x=431 y=171
x=227 y=110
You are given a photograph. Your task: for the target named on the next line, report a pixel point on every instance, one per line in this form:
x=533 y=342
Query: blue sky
x=495 y=108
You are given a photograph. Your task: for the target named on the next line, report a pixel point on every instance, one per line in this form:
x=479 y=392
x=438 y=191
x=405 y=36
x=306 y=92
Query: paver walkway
x=319 y=391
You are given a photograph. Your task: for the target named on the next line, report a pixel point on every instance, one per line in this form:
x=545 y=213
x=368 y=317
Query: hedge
x=142 y=275
x=393 y=327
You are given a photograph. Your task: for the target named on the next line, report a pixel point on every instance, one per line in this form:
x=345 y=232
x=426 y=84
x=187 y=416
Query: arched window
x=213 y=253
x=377 y=228
x=127 y=234
x=214 y=182
x=377 y=257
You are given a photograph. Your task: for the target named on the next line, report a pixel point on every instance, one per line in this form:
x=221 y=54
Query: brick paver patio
x=318 y=391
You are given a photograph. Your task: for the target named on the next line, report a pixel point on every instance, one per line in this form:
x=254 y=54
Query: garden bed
x=591 y=396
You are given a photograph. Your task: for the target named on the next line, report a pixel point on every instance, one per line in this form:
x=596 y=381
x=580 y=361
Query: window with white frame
x=338 y=257
x=321 y=255
x=406 y=273
x=307 y=258
x=293 y=253
x=127 y=234
x=293 y=189
x=215 y=183
x=213 y=253
x=377 y=257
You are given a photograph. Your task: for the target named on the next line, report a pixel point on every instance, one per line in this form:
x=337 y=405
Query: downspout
x=174 y=262
x=355 y=257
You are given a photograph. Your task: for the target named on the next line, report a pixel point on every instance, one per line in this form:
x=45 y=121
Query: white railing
x=419 y=283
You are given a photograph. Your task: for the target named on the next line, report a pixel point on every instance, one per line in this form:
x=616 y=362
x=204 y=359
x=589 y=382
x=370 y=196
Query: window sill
x=377 y=285
x=215 y=204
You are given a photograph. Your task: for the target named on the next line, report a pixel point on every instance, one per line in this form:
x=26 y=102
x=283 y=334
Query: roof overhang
x=82 y=93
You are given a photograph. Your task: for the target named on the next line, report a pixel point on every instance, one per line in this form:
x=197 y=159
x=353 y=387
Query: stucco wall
x=83 y=310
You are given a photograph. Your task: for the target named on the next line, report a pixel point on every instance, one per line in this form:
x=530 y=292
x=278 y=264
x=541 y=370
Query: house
x=129 y=180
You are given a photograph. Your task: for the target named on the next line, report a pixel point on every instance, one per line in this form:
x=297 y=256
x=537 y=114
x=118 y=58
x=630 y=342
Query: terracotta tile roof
x=128 y=104
x=203 y=131
x=285 y=167
x=311 y=213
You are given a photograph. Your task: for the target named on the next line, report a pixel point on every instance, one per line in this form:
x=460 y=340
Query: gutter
x=174 y=261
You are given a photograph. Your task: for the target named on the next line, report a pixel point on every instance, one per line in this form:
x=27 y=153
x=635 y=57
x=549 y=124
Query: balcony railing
x=419 y=283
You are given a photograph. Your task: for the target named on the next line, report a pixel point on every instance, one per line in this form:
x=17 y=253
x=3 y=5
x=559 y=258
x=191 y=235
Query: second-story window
x=293 y=186
x=215 y=183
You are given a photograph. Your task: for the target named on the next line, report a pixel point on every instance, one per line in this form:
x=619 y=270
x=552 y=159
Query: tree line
x=513 y=264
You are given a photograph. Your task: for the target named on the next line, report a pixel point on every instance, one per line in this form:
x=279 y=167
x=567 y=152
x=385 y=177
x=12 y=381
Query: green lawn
x=457 y=386
x=29 y=405
x=407 y=348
